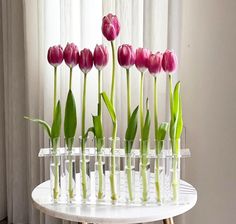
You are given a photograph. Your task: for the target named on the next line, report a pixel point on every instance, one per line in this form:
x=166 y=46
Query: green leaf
x=70 y=121
x=176 y=101
x=162 y=130
x=44 y=124
x=109 y=106
x=91 y=129
x=56 y=125
x=131 y=130
x=180 y=121
x=146 y=126
x=97 y=123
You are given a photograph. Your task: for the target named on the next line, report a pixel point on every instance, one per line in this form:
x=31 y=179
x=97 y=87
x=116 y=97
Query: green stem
x=70 y=83
x=129 y=176
x=55 y=91
x=141 y=103
x=158 y=190
x=71 y=190
x=155 y=108
x=175 y=179
x=113 y=73
x=84 y=189
x=100 y=177
x=144 y=177
x=56 y=172
x=113 y=163
x=128 y=96
x=171 y=96
x=99 y=94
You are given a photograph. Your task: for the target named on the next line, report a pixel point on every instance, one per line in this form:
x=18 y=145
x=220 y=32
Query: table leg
x=168 y=221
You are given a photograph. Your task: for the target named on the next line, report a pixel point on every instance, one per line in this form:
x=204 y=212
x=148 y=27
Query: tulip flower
x=126 y=59
x=169 y=62
x=55 y=55
x=85 y=64
x=155 y=63
x=100 y=61
x=71 y=57
x=111 y=29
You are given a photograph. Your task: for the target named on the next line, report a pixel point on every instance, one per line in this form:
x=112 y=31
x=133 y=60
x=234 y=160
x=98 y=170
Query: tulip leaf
x=109 y=106
x=70 y=121
x=44 y=124
x=176 y=101
x=131 y=130
x=179 y=122
x=56 y=125
x=146 y=126
x=162 y=130
x=91 y=129
x=98 y=132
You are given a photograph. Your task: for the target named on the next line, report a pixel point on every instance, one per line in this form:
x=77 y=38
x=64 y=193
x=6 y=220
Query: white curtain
x=29 y=28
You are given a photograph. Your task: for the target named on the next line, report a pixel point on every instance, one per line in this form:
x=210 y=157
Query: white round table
x=113 y=213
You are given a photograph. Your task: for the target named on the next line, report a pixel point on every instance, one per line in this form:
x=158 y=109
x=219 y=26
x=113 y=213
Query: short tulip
x=110 y=27
x=155 y=63
x=100 y=56
x=142 y=59
x=169 y=61
x=55 y=55
x=85 y=60
x=71 y=55
x=126 y=56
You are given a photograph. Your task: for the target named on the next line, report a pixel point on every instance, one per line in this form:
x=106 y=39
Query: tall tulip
x=71 y=55
x=169 y=64
x=85 y=64
x=111 y=29
x=126 y=59
x=55 y=58
x=155 y=67
x=141 y=62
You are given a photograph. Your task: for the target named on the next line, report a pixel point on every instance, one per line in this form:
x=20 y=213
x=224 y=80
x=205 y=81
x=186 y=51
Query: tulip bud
x=126 y=56
x=169 y=61
x=155 y=63
x=100 y=56
x=85 y=60
x=142 y=59
x=55 y=55
x=71 y=55
x=110 y=27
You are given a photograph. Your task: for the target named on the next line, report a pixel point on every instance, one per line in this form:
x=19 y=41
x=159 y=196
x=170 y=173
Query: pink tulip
x=110 y=27
x=85 y=60
x=155 y=63
x=55 y=55
x=142 y=59
x=100 y=56
x=71 y=55
x=126 y=56
x=169 y=61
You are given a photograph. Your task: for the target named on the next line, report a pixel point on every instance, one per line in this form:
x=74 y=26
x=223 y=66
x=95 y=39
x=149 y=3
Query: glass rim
x=111 y=139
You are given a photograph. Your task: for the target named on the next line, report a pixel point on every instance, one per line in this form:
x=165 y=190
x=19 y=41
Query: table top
x=112 y=213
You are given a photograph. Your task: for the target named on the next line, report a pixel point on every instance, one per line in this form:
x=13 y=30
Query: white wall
x=207 y=71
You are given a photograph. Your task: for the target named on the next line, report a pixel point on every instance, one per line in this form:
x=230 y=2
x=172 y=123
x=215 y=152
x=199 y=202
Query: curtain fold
x=29 y=28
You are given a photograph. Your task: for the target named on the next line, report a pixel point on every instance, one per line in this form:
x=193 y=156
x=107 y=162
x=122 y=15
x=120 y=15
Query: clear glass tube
x=114 y=169
x=84 y=170
x=175 y=169
x=55 y=170
x=159 y=170
x=144 y=170
x=129 y=172
x=99 y=168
